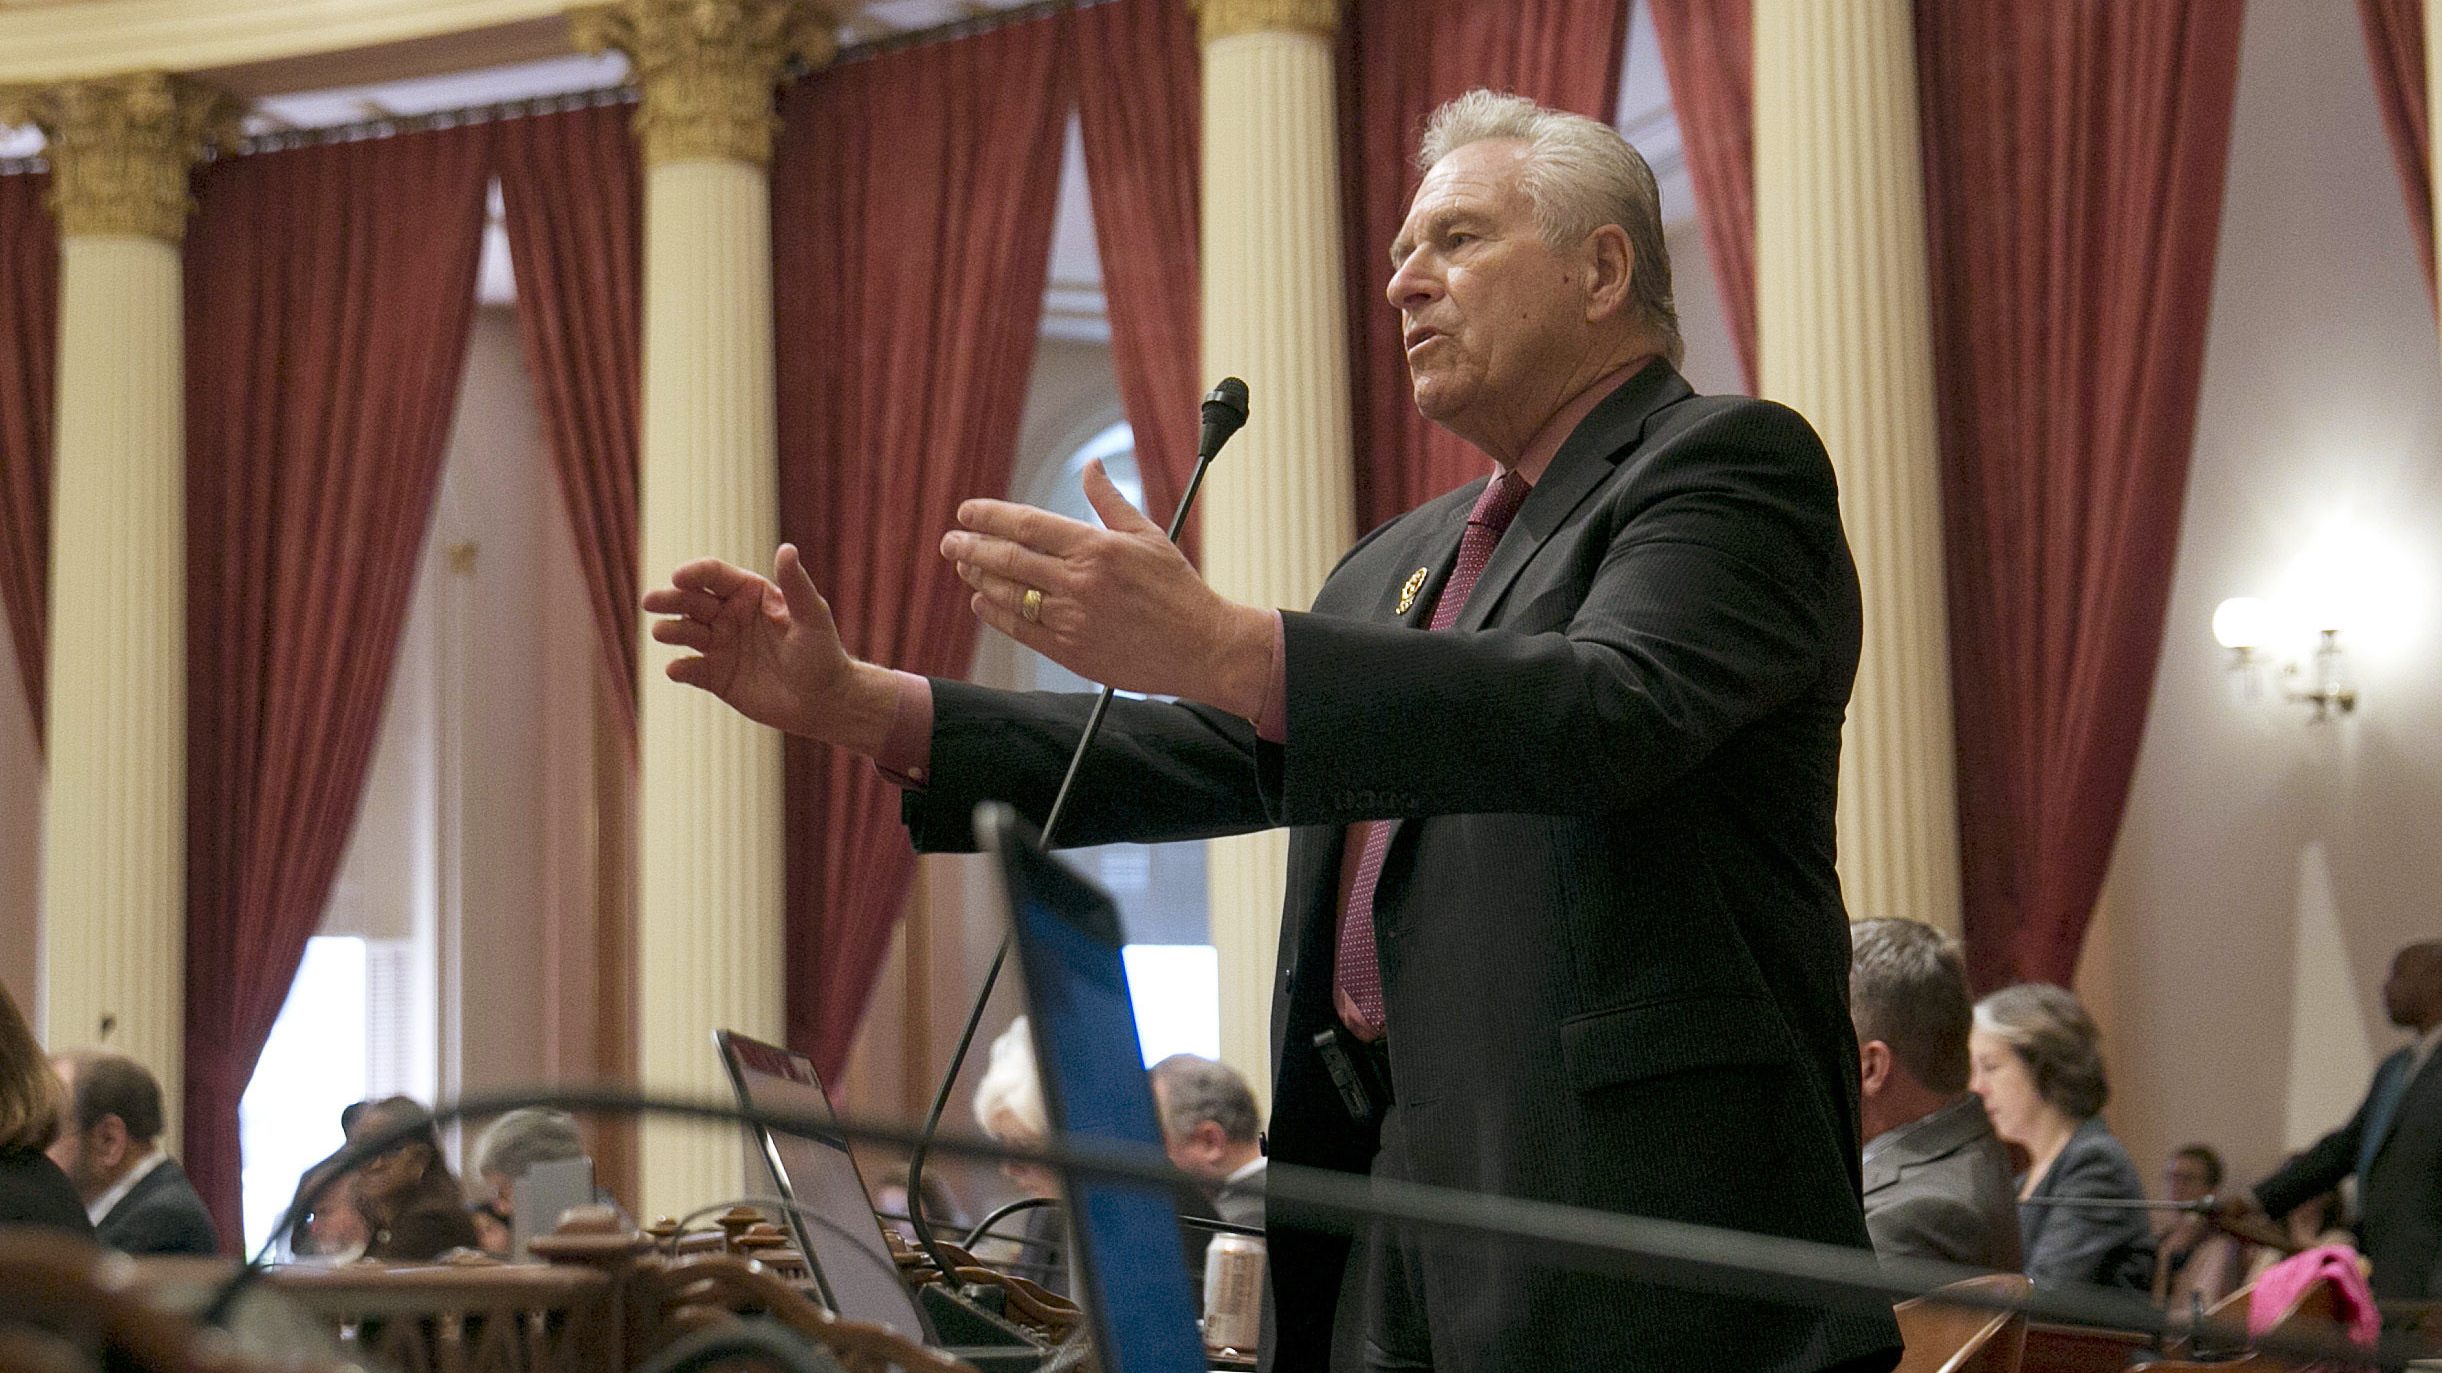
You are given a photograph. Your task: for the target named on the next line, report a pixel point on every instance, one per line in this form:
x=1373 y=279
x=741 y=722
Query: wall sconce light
x=2248 y=627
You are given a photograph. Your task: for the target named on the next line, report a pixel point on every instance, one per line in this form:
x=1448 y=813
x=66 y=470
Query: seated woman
x=2037 y=1063
x=33 y=1190
x=411 y=1205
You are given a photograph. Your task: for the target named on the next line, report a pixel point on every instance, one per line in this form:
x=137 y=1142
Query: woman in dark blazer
x=2038 y=1064
x=33 y=1191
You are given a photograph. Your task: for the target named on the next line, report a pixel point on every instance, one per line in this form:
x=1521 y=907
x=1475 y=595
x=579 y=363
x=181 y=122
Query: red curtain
x=2395 y=48
x=574 y=199
x=329 y=293
x=2074 y=159
x=1140 y=80
x=1400 y=59
x=1708 y=50
x=912 y=202
x=29 y=343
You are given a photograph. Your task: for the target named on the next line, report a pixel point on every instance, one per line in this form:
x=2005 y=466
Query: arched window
x=1160 y=888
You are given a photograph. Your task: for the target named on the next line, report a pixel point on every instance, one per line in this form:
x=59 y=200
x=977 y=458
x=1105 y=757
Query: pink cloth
x=2285 y=1282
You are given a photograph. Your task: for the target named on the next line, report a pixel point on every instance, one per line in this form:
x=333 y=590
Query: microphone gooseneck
x=1224 y=413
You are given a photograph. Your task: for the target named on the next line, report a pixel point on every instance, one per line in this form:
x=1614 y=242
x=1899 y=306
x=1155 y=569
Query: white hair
x=1009 y=1101
x=1580 y=175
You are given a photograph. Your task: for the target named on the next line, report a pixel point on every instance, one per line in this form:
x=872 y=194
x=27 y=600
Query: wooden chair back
x=1952 y=1336
x=2081 y=1349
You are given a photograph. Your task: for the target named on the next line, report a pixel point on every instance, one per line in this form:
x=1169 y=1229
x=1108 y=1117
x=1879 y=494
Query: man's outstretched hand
x=769 y=649
x=1120 y=604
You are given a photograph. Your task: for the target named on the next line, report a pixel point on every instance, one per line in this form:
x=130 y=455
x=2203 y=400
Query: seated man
x=1208 y=1129
x=1937 y=1181
x=138 y=1196
x=509 y=1148
x=2195 y=1262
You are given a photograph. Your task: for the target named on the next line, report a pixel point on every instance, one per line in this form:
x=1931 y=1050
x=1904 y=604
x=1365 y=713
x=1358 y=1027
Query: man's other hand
x=1118 y=605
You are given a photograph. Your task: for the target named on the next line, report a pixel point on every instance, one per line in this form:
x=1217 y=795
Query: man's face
x=2186 y=1178
x=92 y=1159
x=2412 y=995
x=68 y=1151
x=1494 y=319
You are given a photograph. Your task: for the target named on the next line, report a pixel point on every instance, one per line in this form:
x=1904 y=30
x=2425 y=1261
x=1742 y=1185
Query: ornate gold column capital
x=120 y=148
x=707 y=68
x=1218 y=19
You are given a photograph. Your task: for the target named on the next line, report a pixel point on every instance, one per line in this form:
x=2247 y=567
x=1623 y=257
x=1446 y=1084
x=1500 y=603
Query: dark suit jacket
x=2104 y=1247
x=161 y=1214
x=1939 y=1188
x=1241 y=1202
x=1613 y=951
x=34 y=1192
x=2399 y=1200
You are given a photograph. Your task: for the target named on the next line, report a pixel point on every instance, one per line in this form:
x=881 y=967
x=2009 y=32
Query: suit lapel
x=2392 y=1088
x=1589 y=455
x=1432 y=549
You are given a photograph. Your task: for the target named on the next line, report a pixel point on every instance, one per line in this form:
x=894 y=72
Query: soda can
x=1233 y=1293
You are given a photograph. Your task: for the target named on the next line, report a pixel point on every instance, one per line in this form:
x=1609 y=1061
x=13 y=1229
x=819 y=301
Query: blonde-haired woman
x=2036 y=1059
x=33 y=1190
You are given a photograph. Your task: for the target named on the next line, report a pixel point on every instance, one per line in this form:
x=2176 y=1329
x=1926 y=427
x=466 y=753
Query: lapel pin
x=1407 y=593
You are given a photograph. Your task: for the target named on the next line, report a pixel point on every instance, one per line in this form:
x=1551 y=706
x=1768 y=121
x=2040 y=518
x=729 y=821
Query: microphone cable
x=1680 y=1255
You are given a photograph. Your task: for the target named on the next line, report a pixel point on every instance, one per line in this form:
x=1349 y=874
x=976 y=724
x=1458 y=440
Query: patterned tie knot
x=1500 y=501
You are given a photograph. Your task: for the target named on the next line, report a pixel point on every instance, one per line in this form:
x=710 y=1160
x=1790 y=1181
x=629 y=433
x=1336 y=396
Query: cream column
x=1846 y=338
x=1278 y=509
x=709 y=810
x=114 y=829
x=2433 y=91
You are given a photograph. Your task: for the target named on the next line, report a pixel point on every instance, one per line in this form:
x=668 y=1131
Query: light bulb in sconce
x=2243 y=624
x=2256 y=631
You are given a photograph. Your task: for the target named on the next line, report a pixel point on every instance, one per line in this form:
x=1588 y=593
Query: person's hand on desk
x=769 y=649
x=1118 y=605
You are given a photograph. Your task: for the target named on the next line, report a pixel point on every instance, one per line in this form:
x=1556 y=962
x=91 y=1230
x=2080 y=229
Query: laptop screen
x=833 y=1221
x=1136 y=1285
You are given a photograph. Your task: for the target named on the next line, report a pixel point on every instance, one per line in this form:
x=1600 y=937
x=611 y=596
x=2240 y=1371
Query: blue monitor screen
x=1127 y=1233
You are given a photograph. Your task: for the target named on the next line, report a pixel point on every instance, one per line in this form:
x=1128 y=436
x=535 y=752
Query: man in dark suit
x=1937 y=1180
x=137 y=1196
x=2393 y=1145
x=1560 y=750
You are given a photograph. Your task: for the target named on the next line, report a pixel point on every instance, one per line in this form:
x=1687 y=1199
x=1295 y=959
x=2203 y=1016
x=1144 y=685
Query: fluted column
x=114 y=830
x=1846 y=337
x=2433 y=91
x=1278 y=509
x=709 y=810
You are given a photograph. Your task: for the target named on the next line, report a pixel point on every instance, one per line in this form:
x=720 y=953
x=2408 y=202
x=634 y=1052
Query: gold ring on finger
x=1030 y=606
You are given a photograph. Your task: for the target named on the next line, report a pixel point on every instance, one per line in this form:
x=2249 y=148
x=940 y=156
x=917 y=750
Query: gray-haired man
x=1559 y=751
x=1210 y=1131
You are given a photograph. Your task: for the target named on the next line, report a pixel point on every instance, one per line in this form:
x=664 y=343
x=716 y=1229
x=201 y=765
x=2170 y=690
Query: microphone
x=1224 y=412
x=1225 y=409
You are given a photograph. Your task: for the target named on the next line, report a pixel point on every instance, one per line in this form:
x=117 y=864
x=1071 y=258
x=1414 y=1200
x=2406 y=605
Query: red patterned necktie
x=1356 y=976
